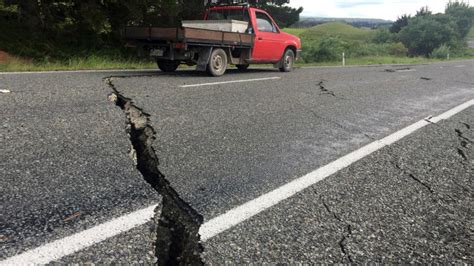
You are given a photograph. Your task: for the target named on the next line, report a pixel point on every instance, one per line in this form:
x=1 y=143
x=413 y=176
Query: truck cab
x=269 y=41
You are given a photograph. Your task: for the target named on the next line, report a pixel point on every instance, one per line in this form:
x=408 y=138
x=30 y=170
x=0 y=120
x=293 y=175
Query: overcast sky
x=384 y=9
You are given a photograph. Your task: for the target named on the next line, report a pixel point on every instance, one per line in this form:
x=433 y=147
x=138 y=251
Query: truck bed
x=189 y=36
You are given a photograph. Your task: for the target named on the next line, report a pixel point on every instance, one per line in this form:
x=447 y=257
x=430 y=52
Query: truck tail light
x=179 y=45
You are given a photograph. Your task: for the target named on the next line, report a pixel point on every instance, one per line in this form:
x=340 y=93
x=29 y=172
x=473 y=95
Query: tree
x=425 y=33
x=400 y=23
x=284 y=15
x=463 y=16
x=424 y=11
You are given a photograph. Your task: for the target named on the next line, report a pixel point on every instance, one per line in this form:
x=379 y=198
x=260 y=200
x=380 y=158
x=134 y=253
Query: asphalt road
x=65 y=161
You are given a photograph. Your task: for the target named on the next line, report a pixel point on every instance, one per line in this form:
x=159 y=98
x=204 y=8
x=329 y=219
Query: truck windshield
x=227 y=14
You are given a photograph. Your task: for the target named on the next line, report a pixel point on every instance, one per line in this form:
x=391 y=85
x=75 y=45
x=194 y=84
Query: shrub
x=425 y=33
x=328 y=49
x=397 y=49
x=441 y=52
x=382 y=36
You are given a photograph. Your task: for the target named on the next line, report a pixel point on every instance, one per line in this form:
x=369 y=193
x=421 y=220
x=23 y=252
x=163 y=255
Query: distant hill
x=308 y=22
x=336 y=29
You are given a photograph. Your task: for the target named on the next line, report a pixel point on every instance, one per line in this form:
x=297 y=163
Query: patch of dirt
x=4 y=56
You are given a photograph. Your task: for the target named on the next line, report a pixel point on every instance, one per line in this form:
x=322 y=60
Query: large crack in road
x=177 y=238
x=177 y=235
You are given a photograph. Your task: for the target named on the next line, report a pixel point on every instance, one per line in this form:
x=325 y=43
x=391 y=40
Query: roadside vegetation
x=425 y=37
x=470 y=35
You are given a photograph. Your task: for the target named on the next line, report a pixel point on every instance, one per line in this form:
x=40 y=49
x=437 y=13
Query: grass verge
x=384 y=60
x=15 y=64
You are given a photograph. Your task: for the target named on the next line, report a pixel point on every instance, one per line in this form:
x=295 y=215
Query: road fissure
x=345 y=236
x=412 y=176
x=177 y=235
x=464 y=142
x=325 y=91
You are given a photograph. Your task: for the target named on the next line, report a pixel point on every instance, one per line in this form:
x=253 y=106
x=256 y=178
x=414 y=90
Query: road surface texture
x=67 y=164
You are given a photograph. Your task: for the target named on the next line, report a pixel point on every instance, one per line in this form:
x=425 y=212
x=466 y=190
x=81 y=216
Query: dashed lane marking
x=227 y=82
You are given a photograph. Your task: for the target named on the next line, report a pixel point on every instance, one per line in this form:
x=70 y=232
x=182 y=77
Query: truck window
x=226 y=14
x=264 y=23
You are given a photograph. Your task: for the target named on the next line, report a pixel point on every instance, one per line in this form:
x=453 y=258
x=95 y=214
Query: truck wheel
x=167 y=65
x=242 y=67
x=287 y=61
x=217 y=63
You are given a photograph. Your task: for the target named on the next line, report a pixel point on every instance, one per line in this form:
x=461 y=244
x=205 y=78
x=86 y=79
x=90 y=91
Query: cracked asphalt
x=65 y=165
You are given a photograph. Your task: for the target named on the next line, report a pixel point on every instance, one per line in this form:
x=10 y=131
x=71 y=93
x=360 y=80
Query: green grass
x=103 y=63
x=294 y=31
x=77 y=63
x=337 y=29
x=384 y=60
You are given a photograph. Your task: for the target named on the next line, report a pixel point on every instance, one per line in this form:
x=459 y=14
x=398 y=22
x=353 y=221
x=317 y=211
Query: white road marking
x=256 y=206
x=5 y=91
x=66 y=246
x=227 y=82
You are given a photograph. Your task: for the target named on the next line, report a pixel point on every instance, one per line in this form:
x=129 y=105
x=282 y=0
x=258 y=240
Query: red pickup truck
x=262 y=42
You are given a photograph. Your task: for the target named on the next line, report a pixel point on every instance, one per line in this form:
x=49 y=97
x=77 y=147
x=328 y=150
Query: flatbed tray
x=188 y=35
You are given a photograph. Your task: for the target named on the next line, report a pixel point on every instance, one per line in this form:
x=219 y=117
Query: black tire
x=287 y=61
x=243 y=67
x=217 y=63
x=167 y=65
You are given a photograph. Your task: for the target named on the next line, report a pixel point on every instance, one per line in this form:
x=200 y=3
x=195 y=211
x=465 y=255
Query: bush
x=376 y=49
x=382 y=36
x=364 y=49
x=441 y=52
x=329 y=49
x=397 y=49
x=425 y=33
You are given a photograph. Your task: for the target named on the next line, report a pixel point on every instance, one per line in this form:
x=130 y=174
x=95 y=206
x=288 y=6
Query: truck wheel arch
x=292 y=47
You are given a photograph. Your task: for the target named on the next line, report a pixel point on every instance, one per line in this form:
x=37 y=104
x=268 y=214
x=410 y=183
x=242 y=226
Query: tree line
x=431 y=34
x=95 y=24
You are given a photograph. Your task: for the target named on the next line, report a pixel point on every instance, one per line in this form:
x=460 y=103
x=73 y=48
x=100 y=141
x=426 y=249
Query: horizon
x=318 y=17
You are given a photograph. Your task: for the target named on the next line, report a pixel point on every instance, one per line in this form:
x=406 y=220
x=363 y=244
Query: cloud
x=384 y=9
x=351 y=4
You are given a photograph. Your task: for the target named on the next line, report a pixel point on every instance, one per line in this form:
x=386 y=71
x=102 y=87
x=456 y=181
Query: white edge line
x=71 y=244
x=68 y=245
x=227 y=82
x=247 y=210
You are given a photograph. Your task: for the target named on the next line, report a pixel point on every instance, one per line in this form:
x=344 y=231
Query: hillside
x=337 y=29
x=308 y=22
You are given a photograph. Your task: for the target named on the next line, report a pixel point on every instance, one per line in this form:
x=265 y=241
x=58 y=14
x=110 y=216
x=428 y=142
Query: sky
x=383 y=9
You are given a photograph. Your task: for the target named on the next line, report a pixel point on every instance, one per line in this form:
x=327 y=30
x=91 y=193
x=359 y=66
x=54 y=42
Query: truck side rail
x=190 y=36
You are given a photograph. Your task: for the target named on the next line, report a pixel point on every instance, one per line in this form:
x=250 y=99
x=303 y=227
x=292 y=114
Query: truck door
x=268 y=45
